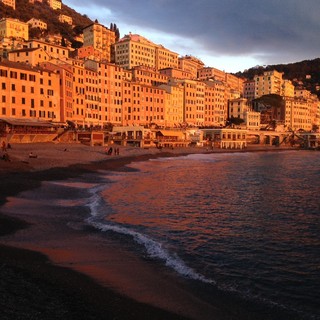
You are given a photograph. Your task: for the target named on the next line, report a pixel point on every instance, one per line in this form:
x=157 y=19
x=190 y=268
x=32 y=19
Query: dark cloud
x=275 y=31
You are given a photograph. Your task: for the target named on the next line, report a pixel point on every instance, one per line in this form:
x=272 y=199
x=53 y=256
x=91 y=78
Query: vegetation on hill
x=304 y=73
x=26 y=11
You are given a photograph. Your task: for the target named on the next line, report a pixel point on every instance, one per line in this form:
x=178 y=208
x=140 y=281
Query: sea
x=245 y=226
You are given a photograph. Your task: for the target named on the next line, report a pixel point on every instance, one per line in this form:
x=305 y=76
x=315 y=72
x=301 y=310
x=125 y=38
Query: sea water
x=241 y=226
x=244 y=223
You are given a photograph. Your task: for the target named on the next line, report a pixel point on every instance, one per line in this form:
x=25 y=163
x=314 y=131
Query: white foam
x=154 y=249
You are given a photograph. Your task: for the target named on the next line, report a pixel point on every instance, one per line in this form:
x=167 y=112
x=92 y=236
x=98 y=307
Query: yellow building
x=134 y=50
x=54 y=51
x=173 y=104
x=32 y=56
x=13 y=28
x=288 y=89
x=37 y=23
x=215 y=103
x=249 y=90
x=55 y=4
x=165 y=58
x=176 y=73
x=190 y=64
x=149 y=76
x=63 y=18
x=297 y=114
x=100 y=38
x=269 y=83
x=29 y=92
x=10 y=3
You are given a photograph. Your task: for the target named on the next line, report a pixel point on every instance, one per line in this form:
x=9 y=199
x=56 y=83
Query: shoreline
x=21 y=262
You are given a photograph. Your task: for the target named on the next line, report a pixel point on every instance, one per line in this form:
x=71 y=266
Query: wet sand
x=65 y=283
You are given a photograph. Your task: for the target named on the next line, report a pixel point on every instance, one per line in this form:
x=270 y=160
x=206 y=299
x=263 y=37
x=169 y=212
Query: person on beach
x=3 y=146
x=31 y=155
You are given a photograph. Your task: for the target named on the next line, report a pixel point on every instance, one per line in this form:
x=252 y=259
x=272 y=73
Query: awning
x=26 y=122
x=171 y=133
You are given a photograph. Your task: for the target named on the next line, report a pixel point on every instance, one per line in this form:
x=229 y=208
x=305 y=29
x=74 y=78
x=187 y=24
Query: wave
x=154 y=249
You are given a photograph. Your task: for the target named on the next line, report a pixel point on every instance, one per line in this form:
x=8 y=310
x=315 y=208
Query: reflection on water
x=249 y=221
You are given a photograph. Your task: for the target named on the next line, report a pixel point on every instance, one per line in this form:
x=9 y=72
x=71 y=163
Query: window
x=3 y=86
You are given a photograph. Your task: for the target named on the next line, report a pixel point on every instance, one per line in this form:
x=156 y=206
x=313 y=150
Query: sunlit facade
x=14 y=28
x=100 y=38
x=29 y=92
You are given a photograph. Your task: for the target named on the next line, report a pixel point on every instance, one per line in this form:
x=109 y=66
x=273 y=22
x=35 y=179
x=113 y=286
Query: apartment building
x=190 y=64
x=55 y=4
x=176 y=73
x=207 y=73
x=297 y=114
x=65 y=19
x=31 y=56
x=64 y=71
x=174 y=94
x=134 y=50
x=37 y=23
x=54 y=51
x=79 y=93
x=165 y=58
x=29 y=92
x=10 y=3
x=240 y=108
x=288 y=89
x=269 y=83
x=215 y=105
x=249 y=89
x=14 y=28
x=100 y=38
x=148 y=76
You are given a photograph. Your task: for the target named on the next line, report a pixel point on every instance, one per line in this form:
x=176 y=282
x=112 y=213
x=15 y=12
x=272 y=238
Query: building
x=65 y=19
x=64 y=72
x=176 y=73
x=55 y=4
x=134 y=50
x=249 y=90
x=13 y=28
x=100 y=38
x=297 y=114
x=173 y=104
x=31 y=56
x=190 y=64
x=215 y=110
x=226 y=138
x=10 y=3
x=37 y=23
x=55 y=51
x=148 y=76
x=270 y=82
x=29 y=92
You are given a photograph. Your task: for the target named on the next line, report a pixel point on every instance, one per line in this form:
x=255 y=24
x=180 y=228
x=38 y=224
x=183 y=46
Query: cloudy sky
x=231 y=35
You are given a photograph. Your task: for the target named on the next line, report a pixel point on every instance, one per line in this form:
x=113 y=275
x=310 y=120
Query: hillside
x=25 y=11
x=304 y=73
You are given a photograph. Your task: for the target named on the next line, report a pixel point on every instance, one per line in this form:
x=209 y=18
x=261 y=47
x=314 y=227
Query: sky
x=230 y=35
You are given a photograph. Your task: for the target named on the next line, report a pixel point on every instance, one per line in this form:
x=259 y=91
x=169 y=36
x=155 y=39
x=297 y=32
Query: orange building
x=29 y=92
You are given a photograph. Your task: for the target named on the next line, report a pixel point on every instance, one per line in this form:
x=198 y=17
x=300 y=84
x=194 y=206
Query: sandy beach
x=37 y=285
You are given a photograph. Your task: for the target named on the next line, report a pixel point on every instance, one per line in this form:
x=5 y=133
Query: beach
x=36 y=284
